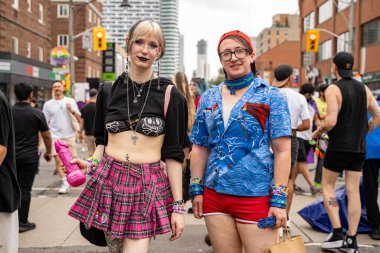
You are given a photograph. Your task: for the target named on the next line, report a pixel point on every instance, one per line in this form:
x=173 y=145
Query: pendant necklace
x=134 y=136
x=135 y=98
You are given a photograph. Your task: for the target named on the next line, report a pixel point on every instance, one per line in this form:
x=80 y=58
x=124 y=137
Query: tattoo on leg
x=333 y=202
x=115 y=245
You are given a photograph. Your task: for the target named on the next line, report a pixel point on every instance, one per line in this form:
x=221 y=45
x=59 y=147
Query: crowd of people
x=233 y=150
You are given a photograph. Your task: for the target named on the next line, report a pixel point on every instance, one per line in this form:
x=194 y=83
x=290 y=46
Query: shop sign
x=5 y=66
x=371 y=77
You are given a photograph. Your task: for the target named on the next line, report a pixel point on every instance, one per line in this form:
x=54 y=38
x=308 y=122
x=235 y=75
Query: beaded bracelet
x=179 y=207
x=94 y=162
x=196 y=187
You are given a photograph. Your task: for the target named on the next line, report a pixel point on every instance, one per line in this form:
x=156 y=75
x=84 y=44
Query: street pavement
x=56 y=232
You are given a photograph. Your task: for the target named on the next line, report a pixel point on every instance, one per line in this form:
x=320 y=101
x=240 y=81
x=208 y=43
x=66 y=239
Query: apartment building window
x=63 y=10
x=98 y=22
x=371 y=32
x=41 y=13
x=324 y=50
x=341 y=44
x=308 y=22
x=15 y=4
x=28 y=50
x=63 y=40
x=41 y=54
x=89 y=71
x=325 y=11
x=307 y=58
x=29 y=5
x=342 y=4
x=90 y=16
x=15 y=45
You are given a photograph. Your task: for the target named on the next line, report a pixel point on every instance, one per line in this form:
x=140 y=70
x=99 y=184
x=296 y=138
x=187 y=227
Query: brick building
x=334 y=16
x=87 y=15
x=286 y=52
x=284 y=28
x=24 y=46
x=278 y=44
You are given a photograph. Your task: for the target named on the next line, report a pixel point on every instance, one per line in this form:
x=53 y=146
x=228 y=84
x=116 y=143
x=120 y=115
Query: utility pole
x=351 y=28
x=71 y=43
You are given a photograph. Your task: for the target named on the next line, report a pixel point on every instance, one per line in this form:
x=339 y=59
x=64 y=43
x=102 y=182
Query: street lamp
x=125 y=4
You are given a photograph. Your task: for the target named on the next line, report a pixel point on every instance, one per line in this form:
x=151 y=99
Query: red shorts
x=243 y=209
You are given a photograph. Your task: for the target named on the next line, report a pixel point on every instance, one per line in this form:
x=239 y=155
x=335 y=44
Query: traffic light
x=312 y=40
x=99 y=35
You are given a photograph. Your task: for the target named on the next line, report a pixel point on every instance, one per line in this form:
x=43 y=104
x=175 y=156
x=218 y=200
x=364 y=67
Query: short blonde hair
x=142 y=28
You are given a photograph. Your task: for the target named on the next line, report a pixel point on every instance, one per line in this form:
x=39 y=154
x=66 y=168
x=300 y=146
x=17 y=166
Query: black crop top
x=112 y=116
x=149 y=126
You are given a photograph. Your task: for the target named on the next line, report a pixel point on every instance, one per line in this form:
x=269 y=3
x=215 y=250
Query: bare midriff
x=146 y=150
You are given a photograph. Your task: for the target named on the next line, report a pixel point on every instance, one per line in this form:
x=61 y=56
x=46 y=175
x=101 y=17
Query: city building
x=278 y=44
x=170 y=63
x=25 y=46
x=117 y=21
x=181 y=53
x=86 y=15
x=333 y=16
x=284 y=28
x=280 y=54
x=203 y=67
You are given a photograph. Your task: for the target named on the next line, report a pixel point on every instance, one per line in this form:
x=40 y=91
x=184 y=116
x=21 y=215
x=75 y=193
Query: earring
x=158 y=74
x=127 y=65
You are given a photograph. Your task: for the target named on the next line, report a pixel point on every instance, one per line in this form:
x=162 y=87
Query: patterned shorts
x=128 y=200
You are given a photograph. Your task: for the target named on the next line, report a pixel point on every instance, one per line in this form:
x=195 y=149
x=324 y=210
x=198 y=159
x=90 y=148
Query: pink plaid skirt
x=129 y=200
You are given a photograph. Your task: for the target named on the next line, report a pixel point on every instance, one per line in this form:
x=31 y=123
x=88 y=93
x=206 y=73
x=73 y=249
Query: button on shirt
x=240 y=161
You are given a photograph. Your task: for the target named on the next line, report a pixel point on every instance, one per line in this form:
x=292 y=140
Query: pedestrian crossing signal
x=312 y=40
x=100 y=41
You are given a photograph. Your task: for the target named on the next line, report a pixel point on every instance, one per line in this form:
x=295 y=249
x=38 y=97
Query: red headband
x=237 y=33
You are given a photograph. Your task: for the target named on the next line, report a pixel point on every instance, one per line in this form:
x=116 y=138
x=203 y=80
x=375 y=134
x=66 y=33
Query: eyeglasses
x=140 y=44
x=240 y=53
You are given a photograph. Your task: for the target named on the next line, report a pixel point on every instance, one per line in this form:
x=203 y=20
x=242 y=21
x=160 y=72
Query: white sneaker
x=65 y=188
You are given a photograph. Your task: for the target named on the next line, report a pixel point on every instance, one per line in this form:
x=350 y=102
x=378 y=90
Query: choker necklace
x=134 y=136
x=240 y=83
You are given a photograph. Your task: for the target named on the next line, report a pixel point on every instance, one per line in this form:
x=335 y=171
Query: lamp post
x=71 y=43
x=125 y=4
x=351 y=28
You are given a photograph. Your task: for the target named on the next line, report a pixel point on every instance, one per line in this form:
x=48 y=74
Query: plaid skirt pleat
x=129 y=200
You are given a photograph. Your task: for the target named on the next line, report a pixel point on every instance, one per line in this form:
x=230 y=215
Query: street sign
x=109 y=63
x=87 y=40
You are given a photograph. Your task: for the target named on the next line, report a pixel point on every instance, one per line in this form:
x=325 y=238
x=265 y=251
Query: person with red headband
x=240 y=162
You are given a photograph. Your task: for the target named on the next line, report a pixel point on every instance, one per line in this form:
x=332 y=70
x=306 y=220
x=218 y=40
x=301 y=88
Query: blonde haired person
x=129 y=196
x=181 y=82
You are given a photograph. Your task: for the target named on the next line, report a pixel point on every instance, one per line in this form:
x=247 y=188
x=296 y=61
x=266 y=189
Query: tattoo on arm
x=333 y=202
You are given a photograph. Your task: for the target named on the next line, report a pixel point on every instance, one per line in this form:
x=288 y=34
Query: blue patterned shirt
x=240 y=161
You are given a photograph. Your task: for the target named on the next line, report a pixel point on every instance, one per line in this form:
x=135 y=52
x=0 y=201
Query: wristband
x=196 y=187
x=94 y=162
x=179 y=207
